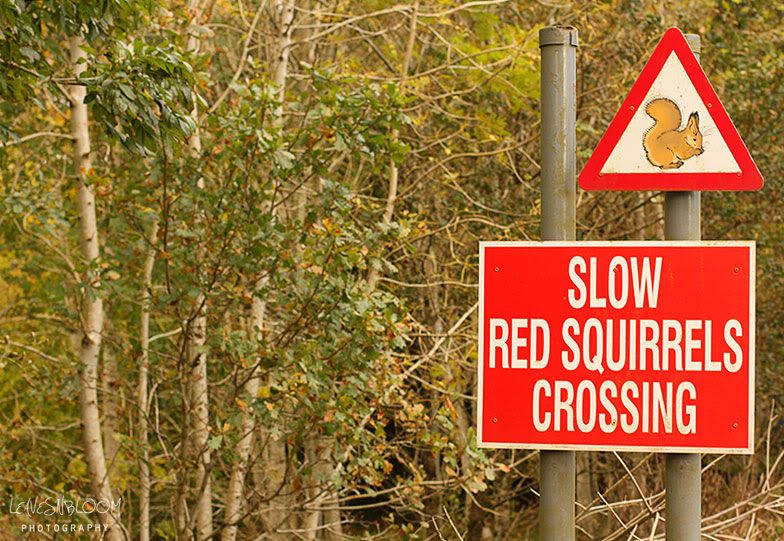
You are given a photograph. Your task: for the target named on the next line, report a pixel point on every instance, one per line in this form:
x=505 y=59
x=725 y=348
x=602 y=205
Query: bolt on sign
x=671 y=132
x=635 y=346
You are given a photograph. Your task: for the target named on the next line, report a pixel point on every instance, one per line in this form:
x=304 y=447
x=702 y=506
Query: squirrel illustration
x=666 y=146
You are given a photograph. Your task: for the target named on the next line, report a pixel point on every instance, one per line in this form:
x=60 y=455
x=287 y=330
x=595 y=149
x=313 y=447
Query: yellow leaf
x=76 y=467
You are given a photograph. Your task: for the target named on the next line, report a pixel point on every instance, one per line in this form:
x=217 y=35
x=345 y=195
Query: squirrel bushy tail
x=667 y=116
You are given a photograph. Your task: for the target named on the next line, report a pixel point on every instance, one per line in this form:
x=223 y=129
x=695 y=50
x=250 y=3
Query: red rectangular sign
x=636 y=346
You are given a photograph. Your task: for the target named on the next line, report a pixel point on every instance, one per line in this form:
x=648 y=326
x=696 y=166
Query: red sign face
x=636 y=346
x=671 y=132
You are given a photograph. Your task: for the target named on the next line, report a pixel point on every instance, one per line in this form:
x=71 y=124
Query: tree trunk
x=584 y=492
x=200 y=432
x=278 y=509
x=109 y=406
x=432 y=464
x=657 y=211
x=143 y=399
x=197 y=357
x=322 y=494
x=91 y=303
x=234 y=494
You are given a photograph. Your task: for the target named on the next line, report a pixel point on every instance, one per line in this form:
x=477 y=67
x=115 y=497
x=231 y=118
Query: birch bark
x=277 y=512
x=109 y=407
x=143 y=395
x=91 y=303
x=235 y=492
x=197 y=356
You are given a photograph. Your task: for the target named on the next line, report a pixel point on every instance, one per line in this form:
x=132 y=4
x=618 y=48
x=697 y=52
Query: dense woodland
x=239 y=260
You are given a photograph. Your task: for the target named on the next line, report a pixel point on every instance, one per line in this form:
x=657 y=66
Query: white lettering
x=577 y=300
x=540 y=361
x=692 y=344
x=518 y=342
x=643 y=283
x=570 y=325
x=618 y=266
x=497 y=342
x=541 y=423
x=672 y=344
x=596 y=301
x=586 y=387
x=608 y=421
x=690 y=425
x=729 y=327
x=631 y=420
x=564 y=404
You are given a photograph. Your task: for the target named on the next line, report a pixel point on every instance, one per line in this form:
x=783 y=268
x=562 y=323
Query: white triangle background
x=628 y=156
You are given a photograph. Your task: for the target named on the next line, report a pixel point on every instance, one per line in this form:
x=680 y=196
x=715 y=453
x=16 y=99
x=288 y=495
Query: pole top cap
x=558 y=35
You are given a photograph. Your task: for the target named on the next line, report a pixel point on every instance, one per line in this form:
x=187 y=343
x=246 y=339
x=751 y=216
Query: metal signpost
x=559 y=195
x=549 y=370
x=683 y=476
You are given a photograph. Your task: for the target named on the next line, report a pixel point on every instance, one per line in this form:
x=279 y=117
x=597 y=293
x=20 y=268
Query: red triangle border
x=749 y=177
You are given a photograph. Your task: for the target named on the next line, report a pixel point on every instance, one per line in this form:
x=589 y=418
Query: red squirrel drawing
x=667 y=146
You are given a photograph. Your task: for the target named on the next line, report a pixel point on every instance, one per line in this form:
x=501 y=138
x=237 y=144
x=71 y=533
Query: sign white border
x=625 y=243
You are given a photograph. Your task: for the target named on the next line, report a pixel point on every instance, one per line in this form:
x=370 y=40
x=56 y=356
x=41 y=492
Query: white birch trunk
x=197 y=357
x=142 y=397
x=234 y=494
x=109 y=408
x=199 y=400
x=310 y=523
x=318 y=452
x=285 y=18
x=278 y=510
x=92 y=305
x=200 y=426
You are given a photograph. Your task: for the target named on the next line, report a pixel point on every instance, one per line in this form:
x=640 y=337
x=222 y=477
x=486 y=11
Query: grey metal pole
x=559 y=192
x=683 y=510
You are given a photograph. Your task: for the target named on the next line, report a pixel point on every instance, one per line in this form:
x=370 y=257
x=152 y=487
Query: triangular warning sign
x=671 y=133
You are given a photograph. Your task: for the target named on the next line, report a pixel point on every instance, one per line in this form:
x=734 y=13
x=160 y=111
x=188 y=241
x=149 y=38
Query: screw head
x=631 y=107
x=734 y=425
x=497 y=269
x=736 y=269
x=495 y=419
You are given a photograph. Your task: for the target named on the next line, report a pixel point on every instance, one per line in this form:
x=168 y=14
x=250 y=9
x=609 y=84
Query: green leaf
x=31 y=54
x=214 y=442
x=284 y=158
